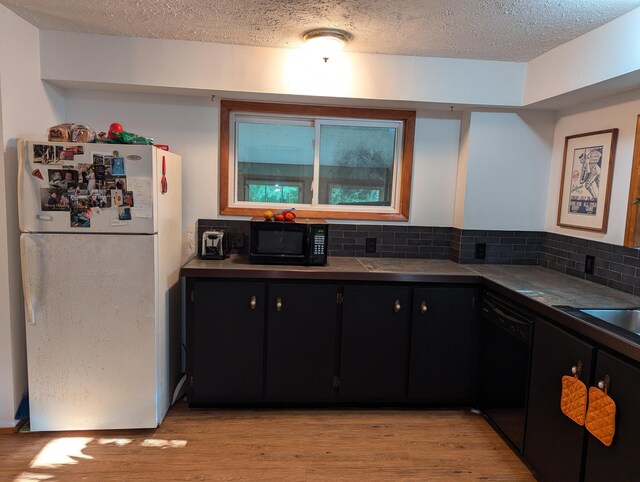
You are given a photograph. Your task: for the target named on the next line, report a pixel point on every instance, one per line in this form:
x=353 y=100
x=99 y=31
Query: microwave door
x=277 y=243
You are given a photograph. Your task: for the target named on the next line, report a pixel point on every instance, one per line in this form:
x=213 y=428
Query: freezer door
x=86 y=188
x=91 y=331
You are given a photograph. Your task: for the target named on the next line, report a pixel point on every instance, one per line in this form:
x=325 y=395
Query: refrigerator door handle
x=28 y=305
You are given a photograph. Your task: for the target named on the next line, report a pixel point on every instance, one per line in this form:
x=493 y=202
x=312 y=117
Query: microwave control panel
x=318 y=243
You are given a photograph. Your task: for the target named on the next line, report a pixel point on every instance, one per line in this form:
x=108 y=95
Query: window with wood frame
x=327 y=162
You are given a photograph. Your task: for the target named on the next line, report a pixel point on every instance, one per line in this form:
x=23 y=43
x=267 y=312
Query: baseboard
x=12 y=430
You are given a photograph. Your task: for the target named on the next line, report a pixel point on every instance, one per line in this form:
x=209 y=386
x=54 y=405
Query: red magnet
x=37 y=173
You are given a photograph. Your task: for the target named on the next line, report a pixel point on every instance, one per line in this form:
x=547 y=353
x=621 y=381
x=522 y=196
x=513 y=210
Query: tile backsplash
x=391 y=241
x=239 y=228
x=501 y=247
x=614 y=266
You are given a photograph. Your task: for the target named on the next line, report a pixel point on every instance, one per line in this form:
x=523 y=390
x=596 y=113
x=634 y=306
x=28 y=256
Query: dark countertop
x=550 y=287
x=337 y=268
x=537 y=288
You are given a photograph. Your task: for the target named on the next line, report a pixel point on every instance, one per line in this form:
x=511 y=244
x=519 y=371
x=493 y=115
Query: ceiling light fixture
x=326 y=41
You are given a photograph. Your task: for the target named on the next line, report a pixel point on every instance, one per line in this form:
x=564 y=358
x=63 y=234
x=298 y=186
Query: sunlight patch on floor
x=120 y=442
x=31 y=477
x=69 y=451
x=61 y=451
x=174 y=444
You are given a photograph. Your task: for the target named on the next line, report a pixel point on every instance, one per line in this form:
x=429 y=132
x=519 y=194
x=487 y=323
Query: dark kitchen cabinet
x=375 y=343
x=225 y=341
x=620 y=461
x=554 y=443
x=302 y=341
x=557 y=448
x=444 y=345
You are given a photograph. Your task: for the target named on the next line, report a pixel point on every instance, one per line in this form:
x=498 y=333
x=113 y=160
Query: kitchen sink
x=627 y=319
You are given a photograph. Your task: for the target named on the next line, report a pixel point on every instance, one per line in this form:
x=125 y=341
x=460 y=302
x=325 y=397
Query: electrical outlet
x=481 y=251
x=237 y=240
x=191 y=241
x=370 y=245
x=188 y=244
x=589 y=264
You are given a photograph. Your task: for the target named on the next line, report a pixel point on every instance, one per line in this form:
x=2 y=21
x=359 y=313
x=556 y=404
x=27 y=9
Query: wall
x=434 y=169
x=215 y=68
x=593 y=65
x=619 y=112
x=461 y=175
x=608 y=53
x=28 y=108
x=500 y=147
x=504 y=153
x=507 y=170
x=190 y=126
x=7 y=388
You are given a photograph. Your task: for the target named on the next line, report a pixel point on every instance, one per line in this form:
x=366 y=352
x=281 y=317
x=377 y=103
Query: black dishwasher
x=504 y=357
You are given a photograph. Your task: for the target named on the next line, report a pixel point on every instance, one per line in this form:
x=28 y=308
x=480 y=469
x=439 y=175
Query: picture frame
x=632 y=224
x=585 y=185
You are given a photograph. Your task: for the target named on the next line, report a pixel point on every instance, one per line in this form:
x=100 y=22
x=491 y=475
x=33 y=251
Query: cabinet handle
x=423 y=307
x=604 y=384
x=278 y=304
x=253 y=302
x=577 y=369
x=397 y=307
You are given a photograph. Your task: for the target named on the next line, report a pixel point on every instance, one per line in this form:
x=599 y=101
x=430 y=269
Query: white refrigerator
x=101 y=253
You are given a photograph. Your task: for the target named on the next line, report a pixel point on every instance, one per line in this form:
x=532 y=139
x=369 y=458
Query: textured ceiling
x=515 y=30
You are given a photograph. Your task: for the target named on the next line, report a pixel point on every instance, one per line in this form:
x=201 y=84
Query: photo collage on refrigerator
x=85 y=189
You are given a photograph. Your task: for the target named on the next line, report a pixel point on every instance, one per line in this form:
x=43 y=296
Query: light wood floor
x=297 y=445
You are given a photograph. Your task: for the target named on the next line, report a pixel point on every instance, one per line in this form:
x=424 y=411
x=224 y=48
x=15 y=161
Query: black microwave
x=301 y=242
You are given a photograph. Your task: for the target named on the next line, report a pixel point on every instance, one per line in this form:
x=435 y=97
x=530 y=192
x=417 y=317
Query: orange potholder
x=573 y=400
x=601 y=416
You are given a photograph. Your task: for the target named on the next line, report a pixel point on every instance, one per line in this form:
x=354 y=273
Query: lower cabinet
x=324 y=342
x=553 y=443
x=557 y=448
x=620 y=461
x=302 y=341
x=444 y=345
x=375 y=343
x=225 y=337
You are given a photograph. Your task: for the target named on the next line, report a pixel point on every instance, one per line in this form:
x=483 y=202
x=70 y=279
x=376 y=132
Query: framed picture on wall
x=632 y=226
x=585 y=186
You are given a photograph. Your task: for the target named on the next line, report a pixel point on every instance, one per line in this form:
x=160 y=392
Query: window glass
x=273 y=193
x=354 y=195
x=361 y=160
x=270 y=155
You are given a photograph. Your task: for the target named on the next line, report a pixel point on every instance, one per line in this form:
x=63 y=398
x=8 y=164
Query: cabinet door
x=620 y=461
x=375 y=343
x=444 y=341
x=554 y=443
x=302 y=340
x=225 y=340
